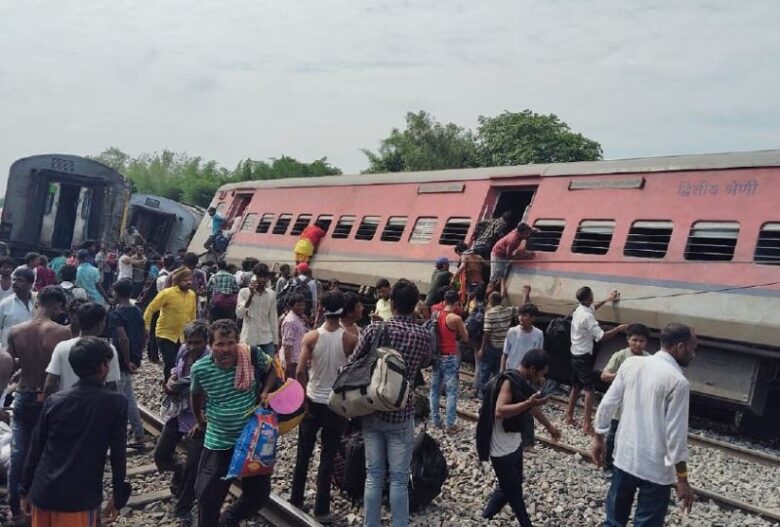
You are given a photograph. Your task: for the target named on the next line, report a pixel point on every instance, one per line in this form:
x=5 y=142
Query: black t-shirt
x=131 y=319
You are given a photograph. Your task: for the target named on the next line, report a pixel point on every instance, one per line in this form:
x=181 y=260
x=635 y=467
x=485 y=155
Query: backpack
x=475 y=322
x=349 y=472
x=224 y=301
x=428 y=472
x=374 y=382
x=296 y=286
x=559 y=335
x=431 y=326
x=487 y=413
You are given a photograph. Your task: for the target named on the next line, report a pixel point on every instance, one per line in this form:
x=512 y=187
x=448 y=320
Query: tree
x=181 y=177
x=425 y=144
x=519 y=138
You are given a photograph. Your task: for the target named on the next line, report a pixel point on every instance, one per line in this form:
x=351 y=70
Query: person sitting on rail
x=493 y=231
x=323 y=351
x=510 y=410
x=585 y=330
x=389 y=436
x=637 y=336
x=180 y=422
x=310 y=238
x=652 y=439
x=227 y=379
x=63 y=478
x=505 y=251
x=451 y=329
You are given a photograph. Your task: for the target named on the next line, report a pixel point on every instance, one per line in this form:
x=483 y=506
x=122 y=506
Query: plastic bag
x=255 y=450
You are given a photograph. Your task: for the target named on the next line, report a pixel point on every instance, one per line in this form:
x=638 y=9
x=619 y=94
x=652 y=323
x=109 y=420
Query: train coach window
x=546 y=236
x=367 y=228
x=648 y=239
x=301 y=223
x=344 y=227
x=455 y=230
x=593 y=237
x=282 y=223
x=423 y=230
x=325 y=220
x=265 y=223
x=249 y=222
x=394 y=228
x=768 y=246
x=712 y=241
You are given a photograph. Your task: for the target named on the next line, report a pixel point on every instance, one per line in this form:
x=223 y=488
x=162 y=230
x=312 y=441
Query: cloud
x=311 y=79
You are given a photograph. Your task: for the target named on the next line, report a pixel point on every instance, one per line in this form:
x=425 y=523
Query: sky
x=233 y=79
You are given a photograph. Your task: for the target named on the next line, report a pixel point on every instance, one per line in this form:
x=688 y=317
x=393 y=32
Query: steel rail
x=718 y=498
x=277 y=511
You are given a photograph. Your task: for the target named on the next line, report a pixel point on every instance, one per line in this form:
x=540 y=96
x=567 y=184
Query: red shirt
x=508 y=244
x=313 y=233
x=448 y=339
x=43 y=277
x=440 y=307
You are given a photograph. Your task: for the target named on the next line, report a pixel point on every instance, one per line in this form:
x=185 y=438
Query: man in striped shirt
x=229 y=409
x=498 y=320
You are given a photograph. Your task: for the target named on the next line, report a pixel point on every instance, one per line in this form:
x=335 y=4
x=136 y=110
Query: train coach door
x=515 y=200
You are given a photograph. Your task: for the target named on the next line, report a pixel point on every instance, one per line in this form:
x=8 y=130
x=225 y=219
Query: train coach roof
x=754 y=159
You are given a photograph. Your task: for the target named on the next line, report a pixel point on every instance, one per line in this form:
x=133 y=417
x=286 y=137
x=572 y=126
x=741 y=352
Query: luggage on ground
x=429 y=471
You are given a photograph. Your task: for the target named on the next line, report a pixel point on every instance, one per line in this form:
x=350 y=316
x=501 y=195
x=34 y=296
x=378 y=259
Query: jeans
x=446 y=370
x=489 y=366
x=184 y=474
x=650 y=506
x=27 y=409
x=318 y=416
x=509 y=471
x=388 y=448
x=212 y=489
x=168 y=350
x=610 y=448
x=125 y=387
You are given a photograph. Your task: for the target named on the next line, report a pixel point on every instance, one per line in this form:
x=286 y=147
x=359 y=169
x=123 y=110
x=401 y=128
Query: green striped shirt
x=227 y=409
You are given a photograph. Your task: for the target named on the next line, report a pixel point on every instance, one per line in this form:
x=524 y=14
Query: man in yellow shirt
x=177 y=307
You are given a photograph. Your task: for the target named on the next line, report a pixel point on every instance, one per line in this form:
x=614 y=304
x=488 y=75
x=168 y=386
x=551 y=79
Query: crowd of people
x=74 y=331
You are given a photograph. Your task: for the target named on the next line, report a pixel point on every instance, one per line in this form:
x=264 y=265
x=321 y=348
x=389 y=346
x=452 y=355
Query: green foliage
x=192 y=180
x=512 y=138
x=425 y=144
x=525 y=137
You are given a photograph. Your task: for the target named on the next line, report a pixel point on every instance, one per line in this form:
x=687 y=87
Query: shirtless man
x=31 y=343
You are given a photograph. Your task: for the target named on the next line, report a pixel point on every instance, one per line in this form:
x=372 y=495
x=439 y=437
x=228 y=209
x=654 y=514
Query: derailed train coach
x=691 y=238
x=166 y=225
x=54 y=202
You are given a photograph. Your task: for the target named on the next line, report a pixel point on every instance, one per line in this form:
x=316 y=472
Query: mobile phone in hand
x=548 y=388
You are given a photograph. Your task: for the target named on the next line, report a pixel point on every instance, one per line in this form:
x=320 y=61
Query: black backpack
x=296 y=286
x=349 y=472
x=429 y=472
x=559 y=335
x=475 y=322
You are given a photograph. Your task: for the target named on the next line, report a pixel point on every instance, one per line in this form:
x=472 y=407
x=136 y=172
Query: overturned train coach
x=166 y=225
x=54 y=202
x=692 y=238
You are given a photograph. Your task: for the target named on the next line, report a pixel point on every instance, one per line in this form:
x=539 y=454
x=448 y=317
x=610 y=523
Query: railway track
x=753 y=456
x=276 y=512
x=720 y=499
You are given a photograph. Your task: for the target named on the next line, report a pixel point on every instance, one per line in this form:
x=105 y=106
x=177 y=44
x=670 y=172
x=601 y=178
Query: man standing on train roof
x=307 y=244
x=505 y=251
x=652 y=438
x=177 y=307
x=493 y=231
x=31 y=344
x=585 y=330
x=227 y=379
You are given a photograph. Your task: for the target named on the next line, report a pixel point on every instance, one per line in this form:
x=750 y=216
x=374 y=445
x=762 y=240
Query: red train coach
x=689 y=238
